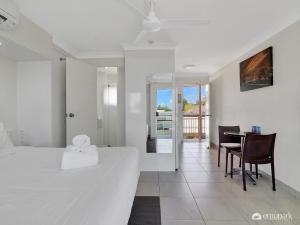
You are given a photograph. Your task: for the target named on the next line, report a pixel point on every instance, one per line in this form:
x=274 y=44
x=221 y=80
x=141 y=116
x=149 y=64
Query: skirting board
x=279 y=183
x=284 y=186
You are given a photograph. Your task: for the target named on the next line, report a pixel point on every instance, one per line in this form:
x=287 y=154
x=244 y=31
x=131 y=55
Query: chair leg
x=240 y=164
x=251 y=167
x=244 y=176
x=219 y=152
x=226 y=163
x=231 y=166
x=256 y=171
x=273 y=175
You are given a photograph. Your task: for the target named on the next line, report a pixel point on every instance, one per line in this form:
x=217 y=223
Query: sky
x=191 y=94
x=164 y=96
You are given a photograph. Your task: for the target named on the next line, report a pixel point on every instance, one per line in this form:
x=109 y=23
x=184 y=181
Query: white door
x=179 y=123
x=81 y=100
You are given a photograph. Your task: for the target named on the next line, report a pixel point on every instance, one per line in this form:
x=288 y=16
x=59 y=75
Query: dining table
x=238 y=171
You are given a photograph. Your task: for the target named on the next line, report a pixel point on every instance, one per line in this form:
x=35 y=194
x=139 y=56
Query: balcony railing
x=164 y=125
x=192 y=128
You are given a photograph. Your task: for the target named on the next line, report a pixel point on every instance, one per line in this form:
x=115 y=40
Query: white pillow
x=6 y=146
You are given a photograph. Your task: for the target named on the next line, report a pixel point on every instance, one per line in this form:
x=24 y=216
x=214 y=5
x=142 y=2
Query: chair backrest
x=259 y=147
x=227 y=138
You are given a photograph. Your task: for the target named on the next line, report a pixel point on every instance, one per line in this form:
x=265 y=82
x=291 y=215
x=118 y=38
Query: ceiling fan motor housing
x=152 y=23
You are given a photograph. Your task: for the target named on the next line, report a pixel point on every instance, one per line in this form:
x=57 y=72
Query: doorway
x=110 y=107
x=195 y=107
x=193 y=117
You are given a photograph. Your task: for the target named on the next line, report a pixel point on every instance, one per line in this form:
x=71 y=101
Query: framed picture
x=257 y=71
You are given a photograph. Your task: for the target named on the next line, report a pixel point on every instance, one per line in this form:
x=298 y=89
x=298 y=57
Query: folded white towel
x=80 y=154
x=74 y=160
x=72 y=148
x=81 y=141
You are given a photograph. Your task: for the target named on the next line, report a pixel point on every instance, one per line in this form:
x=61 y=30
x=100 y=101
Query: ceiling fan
x=151 y=23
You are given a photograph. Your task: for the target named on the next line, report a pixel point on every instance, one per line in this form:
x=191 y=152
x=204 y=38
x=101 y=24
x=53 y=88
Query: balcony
x=164 y=125
x=195 y=127
x=192 y=128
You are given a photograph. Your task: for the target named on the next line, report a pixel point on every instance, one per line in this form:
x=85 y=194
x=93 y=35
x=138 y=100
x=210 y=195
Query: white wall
x=138 y=65
x=276 y=108
x=34 y=100
x=35 y=39
x=8 y=93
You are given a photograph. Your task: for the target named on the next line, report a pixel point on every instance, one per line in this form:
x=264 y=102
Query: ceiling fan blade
x=136 y=9
x=183 y=23
x=140 y=36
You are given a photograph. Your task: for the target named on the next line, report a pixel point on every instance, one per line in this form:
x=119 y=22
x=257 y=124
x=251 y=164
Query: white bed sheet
x=35 y=191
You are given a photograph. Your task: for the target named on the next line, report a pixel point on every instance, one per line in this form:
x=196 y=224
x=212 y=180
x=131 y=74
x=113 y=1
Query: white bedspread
x=35 y=191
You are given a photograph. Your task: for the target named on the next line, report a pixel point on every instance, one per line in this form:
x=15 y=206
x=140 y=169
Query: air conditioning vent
x=9 y=15
x=2 y=19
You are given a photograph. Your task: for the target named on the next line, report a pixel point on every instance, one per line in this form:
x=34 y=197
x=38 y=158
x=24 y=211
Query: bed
x=35 y=191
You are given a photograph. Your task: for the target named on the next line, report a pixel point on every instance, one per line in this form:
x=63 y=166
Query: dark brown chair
x=258 y=149
x=228 y=142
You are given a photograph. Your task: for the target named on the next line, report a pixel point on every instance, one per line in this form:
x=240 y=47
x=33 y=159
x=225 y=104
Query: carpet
x=145 y=211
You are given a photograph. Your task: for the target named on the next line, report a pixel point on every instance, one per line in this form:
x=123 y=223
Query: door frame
x=74 y=90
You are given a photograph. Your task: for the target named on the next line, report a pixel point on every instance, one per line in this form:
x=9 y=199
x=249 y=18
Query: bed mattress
x=35 y=191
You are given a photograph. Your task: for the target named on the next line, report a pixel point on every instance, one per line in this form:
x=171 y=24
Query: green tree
x=164 y=108
x=184 y=103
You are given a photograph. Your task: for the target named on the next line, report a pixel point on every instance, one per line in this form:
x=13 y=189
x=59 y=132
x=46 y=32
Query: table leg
x=249 y=174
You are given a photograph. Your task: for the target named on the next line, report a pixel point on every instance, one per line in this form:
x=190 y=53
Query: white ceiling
x=100 y=27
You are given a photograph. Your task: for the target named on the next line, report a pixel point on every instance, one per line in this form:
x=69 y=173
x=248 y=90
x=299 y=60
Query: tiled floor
x=164 y=145
x=199 y=194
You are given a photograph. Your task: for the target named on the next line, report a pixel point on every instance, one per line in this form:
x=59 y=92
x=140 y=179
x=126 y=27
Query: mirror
x=160 y=113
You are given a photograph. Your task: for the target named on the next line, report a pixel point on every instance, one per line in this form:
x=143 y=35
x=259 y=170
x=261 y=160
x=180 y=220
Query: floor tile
x=168 y=189
x=188 y=160
x=285 y=222
x=196 y=176
x=213 y=167
x=147 y=189
x=218 y=209
x=149 y=177
x=249 y=206
x=183 y=222
x=204 y=177
x=191 y=167
x=179 y=209
x=217 y=176
x=285 y=205
x=207 y=190
x=171 y=177
x=296 y=221
x=261 y=223
x=227 y=223
x=199 y=193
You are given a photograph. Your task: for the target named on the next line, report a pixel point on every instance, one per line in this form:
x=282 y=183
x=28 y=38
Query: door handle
x=71 y=115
